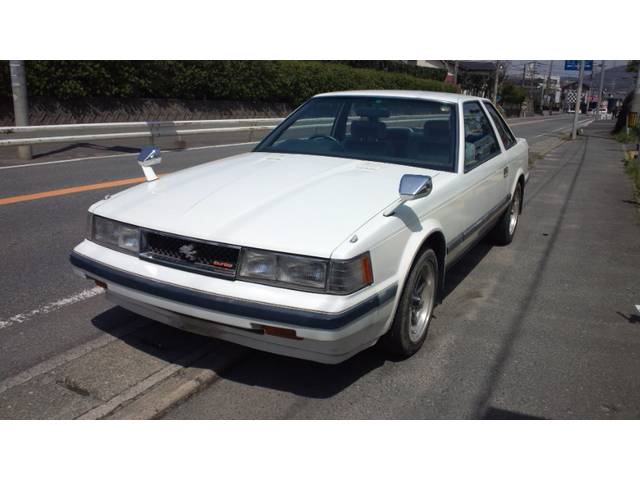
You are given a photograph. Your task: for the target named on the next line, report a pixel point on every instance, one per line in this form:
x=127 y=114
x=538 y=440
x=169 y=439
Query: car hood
x=303 y=204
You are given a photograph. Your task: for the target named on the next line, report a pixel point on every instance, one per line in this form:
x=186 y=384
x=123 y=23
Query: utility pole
x=601 y=87
x=590 y=91
x=455 y=73
x=546 y=85
x=20 y=105
x=577 y=110
x=495 y=83
x=524 y=73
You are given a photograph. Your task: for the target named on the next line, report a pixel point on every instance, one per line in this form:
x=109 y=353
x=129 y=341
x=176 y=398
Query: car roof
x=421 y=94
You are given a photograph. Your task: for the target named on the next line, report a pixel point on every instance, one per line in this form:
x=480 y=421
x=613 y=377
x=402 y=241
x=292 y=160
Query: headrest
x=372 y=112
x=398 y=134
x=437 y=130
x=368 y=130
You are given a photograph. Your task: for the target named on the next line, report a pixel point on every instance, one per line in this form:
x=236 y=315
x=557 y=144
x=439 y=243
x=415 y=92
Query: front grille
x=188 y=254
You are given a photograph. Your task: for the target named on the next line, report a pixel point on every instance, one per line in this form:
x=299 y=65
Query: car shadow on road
x=631 y=318
x=313 y=380
x=257 y=368
x=493 y=413
x=458 y=272
x=300 y=377
x=153 y=338
x=88 y=146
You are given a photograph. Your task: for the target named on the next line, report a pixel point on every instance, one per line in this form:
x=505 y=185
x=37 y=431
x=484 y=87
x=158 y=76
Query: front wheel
x=505 y=229
x=409 y=328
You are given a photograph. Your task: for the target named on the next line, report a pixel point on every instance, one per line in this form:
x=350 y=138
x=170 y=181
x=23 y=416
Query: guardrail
x=47 y=133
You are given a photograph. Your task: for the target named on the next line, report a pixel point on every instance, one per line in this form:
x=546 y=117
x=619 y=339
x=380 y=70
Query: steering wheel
x=329 y=137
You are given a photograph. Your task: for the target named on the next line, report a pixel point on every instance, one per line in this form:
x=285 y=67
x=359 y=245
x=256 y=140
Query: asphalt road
x=484 y=348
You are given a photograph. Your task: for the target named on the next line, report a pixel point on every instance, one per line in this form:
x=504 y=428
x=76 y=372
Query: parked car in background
x=333 y=234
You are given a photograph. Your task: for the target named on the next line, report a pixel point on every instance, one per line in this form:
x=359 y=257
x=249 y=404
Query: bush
x=290 y=82
x=512 y=94
x=621 y=120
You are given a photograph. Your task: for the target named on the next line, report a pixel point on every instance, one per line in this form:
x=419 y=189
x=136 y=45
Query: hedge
x=270 y=81
x=398 y=67
x=512 y=94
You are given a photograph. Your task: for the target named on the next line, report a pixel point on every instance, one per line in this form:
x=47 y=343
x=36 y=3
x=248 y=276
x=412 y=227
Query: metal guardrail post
x=20 y=105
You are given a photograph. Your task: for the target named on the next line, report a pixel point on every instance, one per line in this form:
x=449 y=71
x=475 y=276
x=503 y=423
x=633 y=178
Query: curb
x=163 y=395
x=534 y=155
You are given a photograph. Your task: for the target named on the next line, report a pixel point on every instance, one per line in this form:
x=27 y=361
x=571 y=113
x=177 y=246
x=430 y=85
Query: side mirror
x=415 y=186
x=412 y=187
x=147 y=157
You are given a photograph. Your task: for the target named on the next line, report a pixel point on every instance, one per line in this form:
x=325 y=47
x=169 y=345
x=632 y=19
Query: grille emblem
x=188 y=252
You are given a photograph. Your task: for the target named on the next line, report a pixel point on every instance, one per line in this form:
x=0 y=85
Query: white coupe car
x=334 y=233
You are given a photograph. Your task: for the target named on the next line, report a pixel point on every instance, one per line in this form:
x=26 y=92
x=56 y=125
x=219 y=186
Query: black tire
x=398 y=340
x=503 y=232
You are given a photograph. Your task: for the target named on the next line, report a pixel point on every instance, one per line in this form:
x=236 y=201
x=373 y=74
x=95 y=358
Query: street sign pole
x=577 y=110
x=600 y=88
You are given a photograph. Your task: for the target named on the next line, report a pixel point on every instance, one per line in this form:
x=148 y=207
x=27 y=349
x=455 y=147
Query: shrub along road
x=542 y=328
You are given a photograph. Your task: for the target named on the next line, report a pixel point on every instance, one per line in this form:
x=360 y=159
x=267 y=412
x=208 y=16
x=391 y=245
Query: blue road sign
x=575 y=65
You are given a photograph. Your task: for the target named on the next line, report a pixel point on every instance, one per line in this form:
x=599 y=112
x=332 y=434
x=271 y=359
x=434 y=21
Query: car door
x=483 y=182
x=512 y=156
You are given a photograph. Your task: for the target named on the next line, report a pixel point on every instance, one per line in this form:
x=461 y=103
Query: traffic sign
x=575 y=65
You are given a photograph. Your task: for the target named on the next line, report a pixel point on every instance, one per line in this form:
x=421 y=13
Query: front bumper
x=323 y=336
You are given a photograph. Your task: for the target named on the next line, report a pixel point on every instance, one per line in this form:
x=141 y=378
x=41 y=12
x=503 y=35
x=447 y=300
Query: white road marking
x=70 y=160
x=51 y=307
x=99 y=157
x=515 y=124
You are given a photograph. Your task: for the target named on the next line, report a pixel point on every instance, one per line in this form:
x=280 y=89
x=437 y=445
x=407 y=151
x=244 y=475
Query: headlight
x=306 y=273
x=258 y=265
x=115 y=234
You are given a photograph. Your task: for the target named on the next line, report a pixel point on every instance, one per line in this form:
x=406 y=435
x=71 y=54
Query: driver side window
x=480 y=142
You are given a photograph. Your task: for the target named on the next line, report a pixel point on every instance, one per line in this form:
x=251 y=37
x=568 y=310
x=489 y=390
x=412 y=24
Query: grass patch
x=565 y=136
x=632 y=167
x=534 y=157
x=623 y=137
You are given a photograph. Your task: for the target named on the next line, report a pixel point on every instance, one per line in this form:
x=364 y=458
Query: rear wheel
x=505 y=229
x=409 y=328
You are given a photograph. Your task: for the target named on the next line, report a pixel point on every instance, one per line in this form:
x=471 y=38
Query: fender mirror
x=411 y=187
x=147 y=157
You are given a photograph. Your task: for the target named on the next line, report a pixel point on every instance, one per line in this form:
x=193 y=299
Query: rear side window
x=480 y=142
x=503 y=130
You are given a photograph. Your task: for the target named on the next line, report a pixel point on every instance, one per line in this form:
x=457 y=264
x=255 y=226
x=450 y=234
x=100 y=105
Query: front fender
x=393 y=242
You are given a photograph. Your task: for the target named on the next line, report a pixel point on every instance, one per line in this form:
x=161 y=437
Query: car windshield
x=420 y=133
